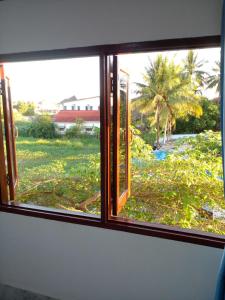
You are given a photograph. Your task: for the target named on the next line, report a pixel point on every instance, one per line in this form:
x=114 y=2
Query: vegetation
x=210 y=119
x=192 y=68
x=58 y=173
x=66 y=173
x=213 y=80
x=174 y=192
x=25 y=108
x=76 y=130
x=169 y=92
x=40 y=127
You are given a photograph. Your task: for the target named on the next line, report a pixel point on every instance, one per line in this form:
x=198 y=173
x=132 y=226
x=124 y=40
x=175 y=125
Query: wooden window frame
x=106 y=220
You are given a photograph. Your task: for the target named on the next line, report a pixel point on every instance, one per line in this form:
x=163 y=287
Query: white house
x=73 y=109
x=72 y=103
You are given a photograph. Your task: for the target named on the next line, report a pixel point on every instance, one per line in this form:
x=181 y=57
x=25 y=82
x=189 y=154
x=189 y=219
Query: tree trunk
x=157 y=128
x=170 y=129
x=165 y=131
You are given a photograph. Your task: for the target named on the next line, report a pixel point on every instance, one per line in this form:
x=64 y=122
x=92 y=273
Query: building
x=73 y=109
x=72 y=103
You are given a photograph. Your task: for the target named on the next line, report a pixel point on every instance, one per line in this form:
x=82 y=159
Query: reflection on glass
x=123 y=138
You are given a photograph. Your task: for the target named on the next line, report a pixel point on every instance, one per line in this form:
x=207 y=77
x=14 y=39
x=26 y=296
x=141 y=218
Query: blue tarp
x=160 y=154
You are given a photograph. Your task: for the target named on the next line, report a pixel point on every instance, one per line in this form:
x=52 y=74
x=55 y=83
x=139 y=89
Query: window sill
x=116 y=223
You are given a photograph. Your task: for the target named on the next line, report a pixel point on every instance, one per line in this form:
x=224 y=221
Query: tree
x=213 y=81
x=25 y=108
x=210 y=120
x=193 y=70
x=165 y=95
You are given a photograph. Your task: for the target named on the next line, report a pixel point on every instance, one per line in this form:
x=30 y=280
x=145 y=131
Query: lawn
x=180 y=190
x=58 y=173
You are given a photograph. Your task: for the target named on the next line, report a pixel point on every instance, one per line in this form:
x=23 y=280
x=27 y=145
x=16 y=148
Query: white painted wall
x=77 y=262
x=27 y=25
x=94 y=102
x=74 y=262
x=87 y=124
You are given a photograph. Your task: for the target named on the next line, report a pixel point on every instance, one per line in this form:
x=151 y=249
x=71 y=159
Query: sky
x=51 y=81
x=135 y=64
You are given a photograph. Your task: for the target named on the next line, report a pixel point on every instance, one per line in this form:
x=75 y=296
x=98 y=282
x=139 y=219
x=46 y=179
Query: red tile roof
x=69 y=116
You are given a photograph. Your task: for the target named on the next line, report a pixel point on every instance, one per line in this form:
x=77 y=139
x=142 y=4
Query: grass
x=58 y=173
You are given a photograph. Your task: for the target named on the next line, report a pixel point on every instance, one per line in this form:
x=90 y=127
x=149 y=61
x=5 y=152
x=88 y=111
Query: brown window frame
x=106 y=220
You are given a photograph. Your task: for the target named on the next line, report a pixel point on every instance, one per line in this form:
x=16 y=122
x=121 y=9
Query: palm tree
x=165 y=95
x=213 y=81
x=193 y=70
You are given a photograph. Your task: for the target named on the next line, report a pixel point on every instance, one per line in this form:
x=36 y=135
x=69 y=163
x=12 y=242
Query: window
x=88 y=107
x=64 y=107
x=62 y=128
x=141 y=191
x=88 y=129
x=73 y=107
x=167 y=154
x=47 y=161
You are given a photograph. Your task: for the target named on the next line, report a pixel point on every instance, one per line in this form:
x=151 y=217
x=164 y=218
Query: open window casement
x=121 y=136
x=222 y=90
x=8 y=162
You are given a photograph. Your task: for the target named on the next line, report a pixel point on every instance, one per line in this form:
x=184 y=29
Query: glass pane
x=176 y=162
x=58 y=144
x=123 y=136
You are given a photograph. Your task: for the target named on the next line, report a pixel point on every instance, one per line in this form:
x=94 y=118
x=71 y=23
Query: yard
x=181 y=190
x=58 y=173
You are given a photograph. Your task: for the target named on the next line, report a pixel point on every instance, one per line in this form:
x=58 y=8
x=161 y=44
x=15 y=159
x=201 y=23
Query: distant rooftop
x=74 y=98
x=70 y=116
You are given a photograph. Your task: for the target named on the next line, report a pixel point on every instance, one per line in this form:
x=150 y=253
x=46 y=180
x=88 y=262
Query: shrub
x=139 y=148
x=149 y=137
x=41 y=127
x=210 y=120
x=22 y=127
x=76 y=130
x=208 y=142
x=96 y=132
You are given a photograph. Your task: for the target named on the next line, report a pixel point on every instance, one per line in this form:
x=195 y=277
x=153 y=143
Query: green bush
x=207 y=142
x=76 y=130
x=149 y=137
x=210 y=120
x=22 y=127
x=139 y=148
x=41 y=127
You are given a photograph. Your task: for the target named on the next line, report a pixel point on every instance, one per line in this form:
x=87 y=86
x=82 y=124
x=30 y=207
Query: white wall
x=94 y=102
x=27 y=25
x=88 y=124
x=77 y=262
